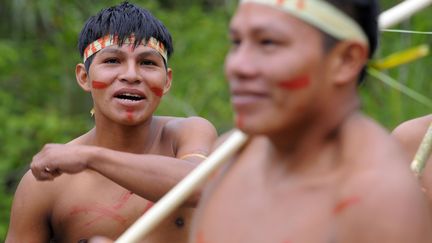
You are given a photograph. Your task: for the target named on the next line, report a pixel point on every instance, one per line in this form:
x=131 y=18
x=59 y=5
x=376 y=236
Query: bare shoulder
x=385 y=188
x=189 y=127
x=31 y=209
x=411 y=132
x=390 y=208
x=194 y=123
x=30 y=187
x=191 y=135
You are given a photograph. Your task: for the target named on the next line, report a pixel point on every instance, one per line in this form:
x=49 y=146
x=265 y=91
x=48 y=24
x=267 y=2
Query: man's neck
x=133 y=139
x=315 y=144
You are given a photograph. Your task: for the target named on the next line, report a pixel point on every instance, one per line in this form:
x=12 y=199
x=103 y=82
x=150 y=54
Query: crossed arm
x=147 y=175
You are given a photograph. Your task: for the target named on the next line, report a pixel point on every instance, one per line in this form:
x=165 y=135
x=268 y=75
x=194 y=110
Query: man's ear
x=82 y=77
x=347 y=59
x=168 y=82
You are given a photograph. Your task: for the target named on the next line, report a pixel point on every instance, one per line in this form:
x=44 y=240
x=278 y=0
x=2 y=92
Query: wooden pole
x=177 y=195
x=423 y=153
x=401 y=12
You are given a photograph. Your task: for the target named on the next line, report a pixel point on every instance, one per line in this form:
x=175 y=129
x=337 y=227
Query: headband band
x=110 y=40
x=320 y=14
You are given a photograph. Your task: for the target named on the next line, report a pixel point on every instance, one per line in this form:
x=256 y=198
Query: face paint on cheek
x=99 y=85
x=295 y=84
x=157 y=91
x=200 y=237
x=239 y=121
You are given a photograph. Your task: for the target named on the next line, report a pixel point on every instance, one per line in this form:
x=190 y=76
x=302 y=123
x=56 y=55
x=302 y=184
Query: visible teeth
x=129 y=96
x=132 y=95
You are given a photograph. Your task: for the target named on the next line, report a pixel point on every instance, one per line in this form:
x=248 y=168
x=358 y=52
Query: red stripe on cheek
x=239 y=121
x=295 y=84
x=99 y=85
x=200 y=237
x=157 y=91
x=301 y=4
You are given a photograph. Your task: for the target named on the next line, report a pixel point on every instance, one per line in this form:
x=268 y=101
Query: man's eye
x=148 y=62
x=111 y=60
x=267 y=42
x=235 y=43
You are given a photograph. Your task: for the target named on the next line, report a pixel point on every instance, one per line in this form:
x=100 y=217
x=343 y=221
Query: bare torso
x=90 y=204
x=87 y=204
x=253 y=203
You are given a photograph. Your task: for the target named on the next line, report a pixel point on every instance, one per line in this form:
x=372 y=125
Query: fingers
x=42 y=170
x=45 y=173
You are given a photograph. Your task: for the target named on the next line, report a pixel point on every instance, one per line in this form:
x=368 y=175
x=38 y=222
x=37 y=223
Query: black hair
x=123 y=20
x=365 y=13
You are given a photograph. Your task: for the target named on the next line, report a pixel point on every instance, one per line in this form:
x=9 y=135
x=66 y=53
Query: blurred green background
x=40 y=101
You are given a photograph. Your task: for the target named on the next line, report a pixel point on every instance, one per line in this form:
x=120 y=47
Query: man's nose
x=242 y=62
x=131 y=73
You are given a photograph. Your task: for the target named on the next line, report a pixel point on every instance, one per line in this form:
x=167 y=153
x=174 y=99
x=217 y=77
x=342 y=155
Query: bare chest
x=108 y=210
x=243 y=209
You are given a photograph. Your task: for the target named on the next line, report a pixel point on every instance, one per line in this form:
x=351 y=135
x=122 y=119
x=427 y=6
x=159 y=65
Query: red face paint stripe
x=239 y=121
x=99 y=85
x=157 y=91
x=301 y=4
x=345 y=203
x=200 y=237
x=130 y=116
x=295 y=84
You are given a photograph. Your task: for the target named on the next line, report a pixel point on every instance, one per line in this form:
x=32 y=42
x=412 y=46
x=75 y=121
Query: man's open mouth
x=129 y=96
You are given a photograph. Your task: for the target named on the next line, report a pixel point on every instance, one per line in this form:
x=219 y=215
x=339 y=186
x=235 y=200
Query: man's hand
x=55 y=159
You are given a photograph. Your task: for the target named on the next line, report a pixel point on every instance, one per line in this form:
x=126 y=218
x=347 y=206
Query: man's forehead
x=139 y=50
x=317 y=13
x=261 y=18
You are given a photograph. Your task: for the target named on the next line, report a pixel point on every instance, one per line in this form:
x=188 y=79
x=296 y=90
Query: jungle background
x=40 y=101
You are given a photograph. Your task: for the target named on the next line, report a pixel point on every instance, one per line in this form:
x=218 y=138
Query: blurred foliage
x=40 y=102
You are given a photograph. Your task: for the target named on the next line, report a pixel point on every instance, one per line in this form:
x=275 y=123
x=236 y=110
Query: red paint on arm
x=99 y=85
x=345 y=203
x=157 y=91
x=295 y=84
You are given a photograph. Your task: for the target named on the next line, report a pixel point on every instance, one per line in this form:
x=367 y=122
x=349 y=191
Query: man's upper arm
x=195 y=137
x=410 y=134
x=29 y=213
